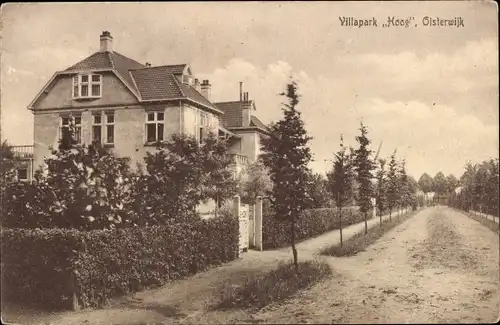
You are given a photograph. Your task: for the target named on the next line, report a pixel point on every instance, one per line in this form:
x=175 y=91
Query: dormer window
x=87 y=85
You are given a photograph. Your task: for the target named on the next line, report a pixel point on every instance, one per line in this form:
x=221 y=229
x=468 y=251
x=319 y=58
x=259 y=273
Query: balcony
x=239 y=159
x=22 y=152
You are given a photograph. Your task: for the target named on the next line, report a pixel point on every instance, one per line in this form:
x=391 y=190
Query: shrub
x=311 y=223
x=36 y=265
x=181 y=174
x=39 y=264
x=259 y=290
x=85 y=187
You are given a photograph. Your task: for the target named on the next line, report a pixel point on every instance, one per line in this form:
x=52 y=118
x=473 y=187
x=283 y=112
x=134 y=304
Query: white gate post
x=236 y=211
x=258 y=223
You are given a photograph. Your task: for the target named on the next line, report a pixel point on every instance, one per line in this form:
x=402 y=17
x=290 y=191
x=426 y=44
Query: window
x=22 y=174
x=154 y=126
x=203 y=122
x=87 y=86
x=65 y=122
x=110 y=128
x=97 y=128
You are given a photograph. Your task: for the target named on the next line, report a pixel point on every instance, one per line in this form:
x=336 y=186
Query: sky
x=429 y=92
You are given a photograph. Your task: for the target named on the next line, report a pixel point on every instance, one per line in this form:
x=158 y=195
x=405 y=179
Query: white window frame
x=78 y=127
x=78 y=83
x=94 y=124
x=157 y=122
x=106 y=124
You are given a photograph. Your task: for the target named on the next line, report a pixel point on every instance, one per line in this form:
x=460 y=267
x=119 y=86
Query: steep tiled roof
x=232 y=113
x=156 y=83
x=150 y=83
x=232 y=117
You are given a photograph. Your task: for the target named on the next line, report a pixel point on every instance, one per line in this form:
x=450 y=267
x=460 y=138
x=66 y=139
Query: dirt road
x=438 y=267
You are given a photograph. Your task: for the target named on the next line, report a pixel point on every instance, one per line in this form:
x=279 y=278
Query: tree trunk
x=380 y=216
x=366 y=223
x=294 y=250
x=390 y=213
x=340 y=225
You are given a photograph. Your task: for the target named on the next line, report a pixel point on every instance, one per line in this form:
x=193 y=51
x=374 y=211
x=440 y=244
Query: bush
x=86 y=187
x=278 y=284
x=313 y=222
x=44 y=265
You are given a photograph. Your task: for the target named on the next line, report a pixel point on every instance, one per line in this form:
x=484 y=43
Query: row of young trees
x=352 y=177
x=294 y=187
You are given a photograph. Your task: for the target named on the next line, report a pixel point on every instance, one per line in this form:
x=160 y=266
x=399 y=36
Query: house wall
x=190 y=120
x=250 y=145
x=59 y=94
x=129 y=136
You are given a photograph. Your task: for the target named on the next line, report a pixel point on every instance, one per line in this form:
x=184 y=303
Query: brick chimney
x=246 y=110
x=205 y=89
x=197 y=84
x=106 y=42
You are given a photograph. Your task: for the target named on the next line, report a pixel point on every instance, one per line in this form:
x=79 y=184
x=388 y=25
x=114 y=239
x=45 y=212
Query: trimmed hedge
x=313 y=222
x=55 y=265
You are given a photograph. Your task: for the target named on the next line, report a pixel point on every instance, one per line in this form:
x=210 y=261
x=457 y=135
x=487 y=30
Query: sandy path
x=438 y=267
x=186 y=300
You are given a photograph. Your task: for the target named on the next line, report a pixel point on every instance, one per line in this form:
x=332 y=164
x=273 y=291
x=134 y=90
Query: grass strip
x=359 y=241
x=492 y=225
x=278 y=284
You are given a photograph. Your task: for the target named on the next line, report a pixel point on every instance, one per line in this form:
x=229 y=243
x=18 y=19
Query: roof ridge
x=178 y=85
x=159 y=66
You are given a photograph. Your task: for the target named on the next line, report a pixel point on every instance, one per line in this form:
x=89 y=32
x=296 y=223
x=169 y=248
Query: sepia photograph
x=249 y=162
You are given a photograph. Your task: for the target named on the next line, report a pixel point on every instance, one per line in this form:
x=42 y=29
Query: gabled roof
x=109 y=60
x=147 y=83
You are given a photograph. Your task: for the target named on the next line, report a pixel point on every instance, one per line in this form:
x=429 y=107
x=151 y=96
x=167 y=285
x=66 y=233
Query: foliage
x=451 y=183
x=405 y=197
x=439 y=184
x=286 y=155
x=260 y=290
x=381 y=189
x=180 y=175
x=480 y=188
x=257 y=182
x=45 y=264
x=341 y=177
x=83 y=187
x=311 y=223
x=317 y=188
x=426 y=183
x=7 y=172
x=364 y=165
x=392 y=184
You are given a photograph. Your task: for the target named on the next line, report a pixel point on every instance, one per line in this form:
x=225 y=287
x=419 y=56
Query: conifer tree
x=286 y=155
x=364 y=166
